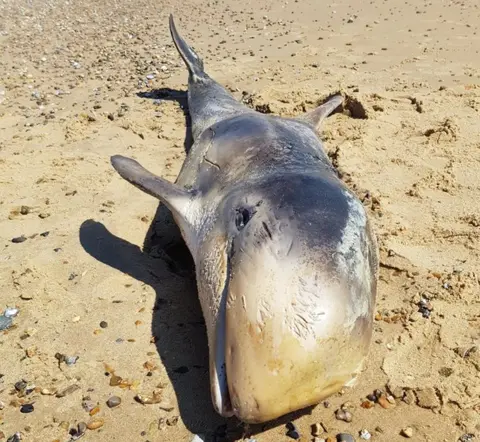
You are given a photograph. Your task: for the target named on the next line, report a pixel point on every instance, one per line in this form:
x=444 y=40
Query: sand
x=83 y=80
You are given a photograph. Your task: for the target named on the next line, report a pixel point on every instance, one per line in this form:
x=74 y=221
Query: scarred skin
x=286 y=260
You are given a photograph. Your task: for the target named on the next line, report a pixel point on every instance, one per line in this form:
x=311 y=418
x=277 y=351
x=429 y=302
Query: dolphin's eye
x=242 y=217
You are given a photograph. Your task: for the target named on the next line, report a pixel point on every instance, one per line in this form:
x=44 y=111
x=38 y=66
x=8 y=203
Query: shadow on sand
x=177 y=321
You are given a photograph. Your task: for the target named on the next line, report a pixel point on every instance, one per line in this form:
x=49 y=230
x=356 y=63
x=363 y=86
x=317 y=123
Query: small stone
x=365 y=434
x=68 y=390
x=17 y=437
x=65 y=425
x=343 y=415
x=10 y=312
x=345 y=437
x=407 y=432
x=20 y=385
x=155 y=398
x=384 y=402
x=81 y=427
x=26 y=408
x=114 y=401
x=94 y=410
x=172 y=421
x=316 y=429
x=5 y=322
x=292 y=431
x=2 y=405
x=95 y=424
x=26 y=296
x=367 y=404
x=71 y=360
x=103 y=324
x=25 y=210
x=427 y=398
x=76 y=319
x=88 y=405
x=48 y=391
x=19 y=239
x=2 y=435
x=111 y=117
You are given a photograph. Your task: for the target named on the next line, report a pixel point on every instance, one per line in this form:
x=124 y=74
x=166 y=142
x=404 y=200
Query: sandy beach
x=105 y=289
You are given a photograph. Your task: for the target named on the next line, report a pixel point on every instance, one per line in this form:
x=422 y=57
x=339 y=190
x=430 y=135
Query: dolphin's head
x=286 y=274
x=292 y=303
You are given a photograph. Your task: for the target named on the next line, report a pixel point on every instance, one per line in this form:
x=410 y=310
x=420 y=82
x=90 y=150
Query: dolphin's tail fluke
x=192 y=60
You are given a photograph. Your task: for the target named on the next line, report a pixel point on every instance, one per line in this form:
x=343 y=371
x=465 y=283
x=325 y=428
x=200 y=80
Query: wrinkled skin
x=286 y=260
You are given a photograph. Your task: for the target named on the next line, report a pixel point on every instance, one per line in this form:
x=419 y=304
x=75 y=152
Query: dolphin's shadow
x=181 y=97
x=177 y=321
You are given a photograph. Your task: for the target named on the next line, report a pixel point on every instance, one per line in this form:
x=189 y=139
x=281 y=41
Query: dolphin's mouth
x=219 y=385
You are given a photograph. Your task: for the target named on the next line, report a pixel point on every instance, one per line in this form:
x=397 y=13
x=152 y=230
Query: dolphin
x=286 y=259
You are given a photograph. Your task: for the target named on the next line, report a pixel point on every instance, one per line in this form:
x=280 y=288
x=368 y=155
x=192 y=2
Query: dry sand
x=76 y=80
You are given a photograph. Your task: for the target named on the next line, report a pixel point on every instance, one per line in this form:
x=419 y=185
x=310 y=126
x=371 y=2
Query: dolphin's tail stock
x=208 y=101
x=190 y=57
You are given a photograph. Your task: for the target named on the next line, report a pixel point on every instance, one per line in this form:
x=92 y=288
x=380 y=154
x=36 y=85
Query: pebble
x=384 y=402
x=26 y=408
x=343 y=415
x=5 y=322
x=114 y=401
x=71 y=360
x=2 y=405
x=10 y=312
x=345 y=437
x=95 y=424
x=88 y=405
x=68 y=390
x=407 y=432
x=103 y=324
x=20 y=385
x=19 y=239
x=292 y=431
x=172 y=421
x=155 y=398
x=48 y=391
x=365 y=434
x=316 y=429
x=81 y=427
x=26 y=296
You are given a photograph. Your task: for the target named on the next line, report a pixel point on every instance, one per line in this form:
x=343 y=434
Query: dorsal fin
x=316 y=116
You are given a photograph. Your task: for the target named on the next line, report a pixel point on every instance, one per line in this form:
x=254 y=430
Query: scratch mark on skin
x=211 y=163
x=267 y=229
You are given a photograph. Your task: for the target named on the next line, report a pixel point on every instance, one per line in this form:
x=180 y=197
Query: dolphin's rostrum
x=285 y=257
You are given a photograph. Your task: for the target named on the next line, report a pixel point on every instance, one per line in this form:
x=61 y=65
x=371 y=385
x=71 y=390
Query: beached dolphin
x=285 y=257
